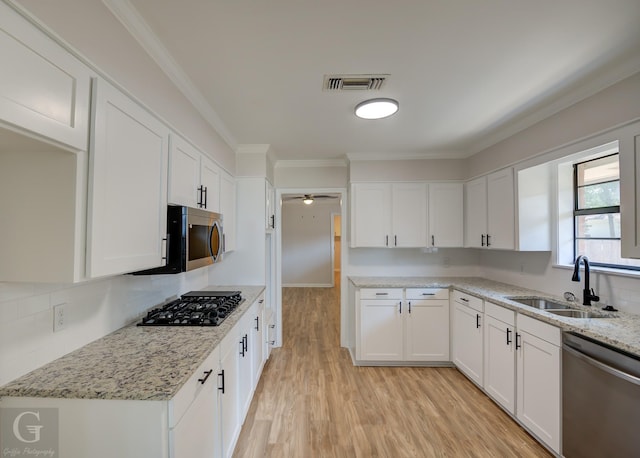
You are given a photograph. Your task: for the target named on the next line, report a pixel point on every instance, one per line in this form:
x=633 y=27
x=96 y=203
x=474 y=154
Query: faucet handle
x=594 y=297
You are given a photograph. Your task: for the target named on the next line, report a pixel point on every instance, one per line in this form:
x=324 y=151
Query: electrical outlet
x=59 y=317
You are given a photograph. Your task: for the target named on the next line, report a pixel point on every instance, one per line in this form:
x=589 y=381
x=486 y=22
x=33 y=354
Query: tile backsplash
x=93 y=309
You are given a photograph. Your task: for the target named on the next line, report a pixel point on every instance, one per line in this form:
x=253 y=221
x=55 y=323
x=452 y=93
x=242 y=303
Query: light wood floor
x=312 y=402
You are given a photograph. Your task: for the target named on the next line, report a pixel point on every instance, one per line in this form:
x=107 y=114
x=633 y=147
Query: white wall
x=289 y=175
x=93 y=309
x=611 y=107
x=307 y=241
x=408 y=170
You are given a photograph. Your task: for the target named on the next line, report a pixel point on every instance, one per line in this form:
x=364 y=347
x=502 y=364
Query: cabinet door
x=468 y=342
x=381 y=330
x=446 y=214
x=427 y=330
x=228 y=210
x=43 y=88
x=230 y=419
x=538 y=388
x=127 y=209
x=270 y=208
x=210 y=182
x=500 y=363
x=629 y=184
x=409 y=215
x=245 y=376
x=501 y=210
x=184 y=173
x=475 y=213
x=257 y=342
x=195 y=435
x=371 y=215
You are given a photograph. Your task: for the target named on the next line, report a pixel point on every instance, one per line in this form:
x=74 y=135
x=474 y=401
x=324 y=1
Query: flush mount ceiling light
x=376 y=108
x=308 y=200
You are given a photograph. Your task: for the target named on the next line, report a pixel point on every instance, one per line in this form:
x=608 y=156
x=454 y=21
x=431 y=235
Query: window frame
x=613 y=209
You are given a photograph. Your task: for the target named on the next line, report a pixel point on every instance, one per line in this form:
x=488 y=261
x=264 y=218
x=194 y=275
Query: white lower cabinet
x=229 y=374
x=500 y=356
x=399 y=325
x=467 y=335
x=539 y=384
x=522 y=370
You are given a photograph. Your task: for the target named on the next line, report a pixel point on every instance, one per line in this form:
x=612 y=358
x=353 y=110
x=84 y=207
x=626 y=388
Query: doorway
x=309 y=244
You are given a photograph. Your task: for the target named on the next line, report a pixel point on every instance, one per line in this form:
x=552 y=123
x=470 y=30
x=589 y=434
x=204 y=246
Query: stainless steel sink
x=576 y=314
x=540 y=303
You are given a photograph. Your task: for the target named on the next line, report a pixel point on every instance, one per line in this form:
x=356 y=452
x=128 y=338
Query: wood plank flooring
x=312 y=402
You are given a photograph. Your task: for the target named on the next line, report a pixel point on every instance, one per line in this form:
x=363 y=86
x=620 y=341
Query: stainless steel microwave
x=194 y=239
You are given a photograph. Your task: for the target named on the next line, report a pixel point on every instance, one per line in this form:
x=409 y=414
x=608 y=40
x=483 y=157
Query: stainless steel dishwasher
x=600 y=400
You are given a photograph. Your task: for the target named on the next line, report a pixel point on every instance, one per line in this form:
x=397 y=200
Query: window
x=596 y=213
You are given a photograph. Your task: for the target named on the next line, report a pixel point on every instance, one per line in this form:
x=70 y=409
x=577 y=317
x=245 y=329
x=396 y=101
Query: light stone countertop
x=134 y=362
x=620 y=330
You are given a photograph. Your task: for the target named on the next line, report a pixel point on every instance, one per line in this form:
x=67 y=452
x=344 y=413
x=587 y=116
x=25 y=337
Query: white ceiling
x=466 y=73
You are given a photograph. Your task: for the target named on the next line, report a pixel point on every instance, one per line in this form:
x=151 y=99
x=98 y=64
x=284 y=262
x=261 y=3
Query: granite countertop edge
x=132 y=363
x=619 y=330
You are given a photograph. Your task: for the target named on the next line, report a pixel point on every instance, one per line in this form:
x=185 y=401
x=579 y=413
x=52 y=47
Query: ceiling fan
x=308 y=199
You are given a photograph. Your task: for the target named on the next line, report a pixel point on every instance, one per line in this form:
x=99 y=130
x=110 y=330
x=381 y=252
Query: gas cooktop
x=195 y=308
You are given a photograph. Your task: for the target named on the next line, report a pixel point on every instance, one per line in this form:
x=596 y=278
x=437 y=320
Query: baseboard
x=403 y=363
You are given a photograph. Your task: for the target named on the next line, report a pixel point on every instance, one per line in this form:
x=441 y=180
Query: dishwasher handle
x=602 y=366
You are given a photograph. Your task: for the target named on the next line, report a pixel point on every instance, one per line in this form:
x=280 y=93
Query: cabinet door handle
x=409 y=307
x=242 y=347
x=200 y=193
x=273 y=221
x=165 y=244
x=205 y=196
x=518 y=341
x=257 y=323
x=400 y=304
x=482 y=240
x=488 y=240
x=477 y=320
x=509 y=336
x=246 y=343
x=386 y=240
x=221 y=386
x=433 y=240
x=206 y=376
x=395 y=240
x=260 y=301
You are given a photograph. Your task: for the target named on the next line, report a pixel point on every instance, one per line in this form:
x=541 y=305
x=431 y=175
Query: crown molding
x=129 y=17
x=355 y=157
x=289 y=164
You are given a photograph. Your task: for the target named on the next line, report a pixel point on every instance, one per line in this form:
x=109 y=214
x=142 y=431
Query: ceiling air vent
x=354 y=82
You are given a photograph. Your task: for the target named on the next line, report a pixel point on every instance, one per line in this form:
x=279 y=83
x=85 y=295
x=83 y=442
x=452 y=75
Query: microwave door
x=198 y=246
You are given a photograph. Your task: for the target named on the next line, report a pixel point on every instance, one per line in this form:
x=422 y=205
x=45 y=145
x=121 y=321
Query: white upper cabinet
x=270 y=206
x=389 y=215
x=184 y=172
x=446 y=214
x=127 y=208
x=490 y=211
x=409 y=215
x=629 y=184
x=43 y=88
x=228 y=210
x=194 y=179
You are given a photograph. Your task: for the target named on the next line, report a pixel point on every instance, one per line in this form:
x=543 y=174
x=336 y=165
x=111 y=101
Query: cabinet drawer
x=427 y=293
x=183 y=398
x=539 y=329
x=466 y=299
x=381 y=293
x=500 y=313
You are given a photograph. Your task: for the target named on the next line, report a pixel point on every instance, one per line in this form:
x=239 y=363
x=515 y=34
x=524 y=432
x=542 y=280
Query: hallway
x=312 y=402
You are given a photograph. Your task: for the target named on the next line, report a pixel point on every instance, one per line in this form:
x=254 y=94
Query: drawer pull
x=477 y=320
x=221 y=374
x=206 y=376
x=509 y=336
x=428 y=294
x=382 y=294
x=464 y=299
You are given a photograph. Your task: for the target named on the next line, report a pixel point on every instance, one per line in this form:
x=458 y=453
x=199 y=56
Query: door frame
x=343 y=254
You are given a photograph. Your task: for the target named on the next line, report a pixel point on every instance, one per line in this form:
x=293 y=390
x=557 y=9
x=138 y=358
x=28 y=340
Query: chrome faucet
x=589 y=294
